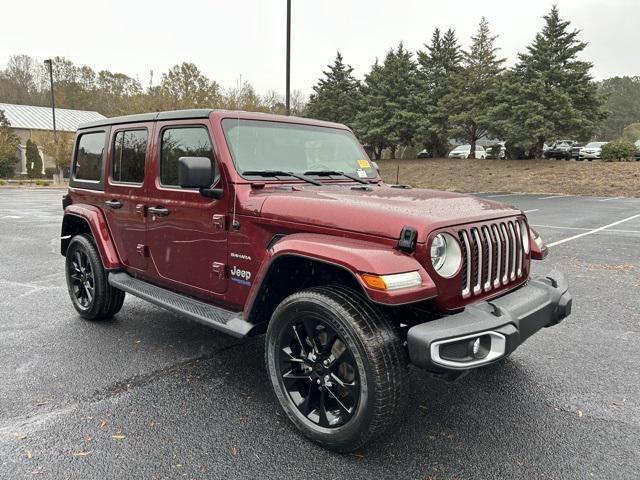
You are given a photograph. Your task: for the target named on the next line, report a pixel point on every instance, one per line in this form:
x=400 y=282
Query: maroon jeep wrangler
x=253 y=223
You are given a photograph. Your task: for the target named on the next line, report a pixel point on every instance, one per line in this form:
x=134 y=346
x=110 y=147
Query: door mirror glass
x=195 y=172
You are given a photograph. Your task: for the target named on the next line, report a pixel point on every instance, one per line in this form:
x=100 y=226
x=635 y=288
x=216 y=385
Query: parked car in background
x=575 y=151
x=560 y=150
x=424 y=154
x=637 y=155
x=464 y=151
x=497 y=151
x=592 y=151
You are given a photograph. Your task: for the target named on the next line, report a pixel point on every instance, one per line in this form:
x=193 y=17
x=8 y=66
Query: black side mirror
x=198 y=172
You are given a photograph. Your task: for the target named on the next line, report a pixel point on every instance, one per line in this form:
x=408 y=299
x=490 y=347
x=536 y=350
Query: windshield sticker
x=243 y=277
x=364 y=164
x=361 y=173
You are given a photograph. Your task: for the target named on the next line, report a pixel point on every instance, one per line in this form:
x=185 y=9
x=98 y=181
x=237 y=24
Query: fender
x=354 y=256
x=98 y=225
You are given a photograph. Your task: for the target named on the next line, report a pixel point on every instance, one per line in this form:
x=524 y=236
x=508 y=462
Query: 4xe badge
x=240 y=276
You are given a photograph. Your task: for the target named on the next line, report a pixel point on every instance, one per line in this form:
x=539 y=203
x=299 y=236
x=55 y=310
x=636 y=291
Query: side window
x=89 y=156
x=129 y=153
x=182 y=142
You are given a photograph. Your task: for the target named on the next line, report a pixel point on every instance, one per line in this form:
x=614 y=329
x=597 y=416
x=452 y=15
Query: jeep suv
x=261 y=224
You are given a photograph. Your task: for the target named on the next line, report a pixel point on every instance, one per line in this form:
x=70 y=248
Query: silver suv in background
x=592 y=151
x=464 y=151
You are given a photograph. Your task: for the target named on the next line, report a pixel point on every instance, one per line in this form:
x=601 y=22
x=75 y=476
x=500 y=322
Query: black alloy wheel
x=337 y=366
x=319 y=372
x=87 y=282
x=81 y=279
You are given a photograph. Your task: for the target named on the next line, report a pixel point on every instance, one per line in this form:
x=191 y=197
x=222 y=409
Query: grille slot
x=492 y=256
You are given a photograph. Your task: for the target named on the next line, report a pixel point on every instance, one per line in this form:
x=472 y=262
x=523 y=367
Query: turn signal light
x=392 y=282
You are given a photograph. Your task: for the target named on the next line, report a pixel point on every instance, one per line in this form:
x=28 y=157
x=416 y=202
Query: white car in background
x=591 y=151
x=464 y=151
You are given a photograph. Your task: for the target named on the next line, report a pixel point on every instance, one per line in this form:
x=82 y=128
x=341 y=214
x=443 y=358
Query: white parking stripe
x=610 y=198
x=534 y=210
x=503 y=195
x=556 y=196
x=593 y=231
x=615 y=230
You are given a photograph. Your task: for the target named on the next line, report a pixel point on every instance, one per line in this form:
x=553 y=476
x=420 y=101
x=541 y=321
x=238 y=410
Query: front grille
x=492 y=256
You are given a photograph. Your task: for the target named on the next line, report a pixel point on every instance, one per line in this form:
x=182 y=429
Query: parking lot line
x=615 y=230
x=556 y=196
x=503 y=195
x=534 y=210
x=610 y=198
x=595 y=230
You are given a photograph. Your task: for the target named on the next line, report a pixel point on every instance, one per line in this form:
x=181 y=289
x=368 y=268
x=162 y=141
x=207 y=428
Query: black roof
x=149 y=117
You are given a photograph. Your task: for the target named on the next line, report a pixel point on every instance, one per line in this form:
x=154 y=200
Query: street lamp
x=288 y=87
x=49 y=64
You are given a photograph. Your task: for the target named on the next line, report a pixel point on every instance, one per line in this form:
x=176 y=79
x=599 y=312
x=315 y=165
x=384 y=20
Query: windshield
x=462 y=148
x=258 y=145
x=595 y=144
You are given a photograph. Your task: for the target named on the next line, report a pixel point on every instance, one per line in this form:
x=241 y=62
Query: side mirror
x=198 y=172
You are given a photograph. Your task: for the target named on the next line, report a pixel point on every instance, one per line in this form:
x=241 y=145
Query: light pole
x=288 y=87
x=49 y=64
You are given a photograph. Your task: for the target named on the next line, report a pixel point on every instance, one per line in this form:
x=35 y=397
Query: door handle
x=158 y=211
x=113 y=204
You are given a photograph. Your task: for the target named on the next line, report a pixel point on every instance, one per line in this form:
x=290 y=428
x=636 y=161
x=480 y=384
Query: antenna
x=234 y=223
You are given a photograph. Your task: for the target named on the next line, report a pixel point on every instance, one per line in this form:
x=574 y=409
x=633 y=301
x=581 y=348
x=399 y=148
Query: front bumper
x=500 y=326
x=590 y=155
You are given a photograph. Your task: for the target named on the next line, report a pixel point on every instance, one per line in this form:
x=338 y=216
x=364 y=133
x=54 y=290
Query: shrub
x=3 y=182
x=618 y=151
x=34 y=160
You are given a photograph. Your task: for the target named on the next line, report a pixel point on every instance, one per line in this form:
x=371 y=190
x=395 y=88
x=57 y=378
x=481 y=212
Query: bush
x=618 y=151
x=3 y=182
x=34 y=160
x=42 y=183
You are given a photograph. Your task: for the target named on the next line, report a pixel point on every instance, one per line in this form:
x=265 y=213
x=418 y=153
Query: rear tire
x=90 y=292
x=337 y=366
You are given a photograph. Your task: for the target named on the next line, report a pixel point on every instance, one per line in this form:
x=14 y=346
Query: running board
x=226 y=321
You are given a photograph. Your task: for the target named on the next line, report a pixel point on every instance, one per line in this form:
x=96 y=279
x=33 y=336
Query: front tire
x=337 y=367
x=90 y=292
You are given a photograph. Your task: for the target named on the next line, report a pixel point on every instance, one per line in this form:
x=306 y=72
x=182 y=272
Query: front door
x=186 y=232
x=125 y=193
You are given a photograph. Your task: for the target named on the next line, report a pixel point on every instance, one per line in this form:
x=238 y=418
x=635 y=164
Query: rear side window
x=89 y=157
x=182 y=142
x=129 y=153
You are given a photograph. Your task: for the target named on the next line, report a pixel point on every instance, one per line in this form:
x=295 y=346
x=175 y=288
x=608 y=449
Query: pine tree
x=337 y=95
x=436 y=67
x=388 y=115
x=476 y=88
x=550 y=93
x=34 y=161
x=8 y=147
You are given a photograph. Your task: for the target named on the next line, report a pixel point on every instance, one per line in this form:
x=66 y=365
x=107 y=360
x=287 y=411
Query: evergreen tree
x=549 y=93
x=436 y=67
x=34 y=161
x=388 y=115
x=8 y=147
x=476 y=88
x=337 y=95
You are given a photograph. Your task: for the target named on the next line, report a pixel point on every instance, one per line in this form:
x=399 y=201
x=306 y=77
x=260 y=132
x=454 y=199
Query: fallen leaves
x=81 y=454
x=234 y=451
x=103 y=424
x=29 y=454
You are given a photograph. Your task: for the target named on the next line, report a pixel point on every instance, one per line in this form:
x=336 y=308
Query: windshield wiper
x=280 y=173
x=323 y=173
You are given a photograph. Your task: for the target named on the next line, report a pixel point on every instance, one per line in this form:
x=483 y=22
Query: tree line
x=445 y=92
x=420 y=99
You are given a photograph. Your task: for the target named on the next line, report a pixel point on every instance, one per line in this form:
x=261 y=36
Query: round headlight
x=446 y=255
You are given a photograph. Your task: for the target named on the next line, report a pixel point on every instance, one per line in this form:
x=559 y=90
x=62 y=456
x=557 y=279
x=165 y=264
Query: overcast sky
x=229 y=38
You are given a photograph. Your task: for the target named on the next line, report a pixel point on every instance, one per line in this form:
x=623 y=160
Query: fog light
x=476 y=347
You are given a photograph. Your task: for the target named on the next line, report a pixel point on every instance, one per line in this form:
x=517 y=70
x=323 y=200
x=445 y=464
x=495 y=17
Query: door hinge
x=219 y=270
x=218 y=222
x=142 y=250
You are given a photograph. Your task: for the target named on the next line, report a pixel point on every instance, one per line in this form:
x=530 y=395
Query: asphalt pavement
x=149 y=395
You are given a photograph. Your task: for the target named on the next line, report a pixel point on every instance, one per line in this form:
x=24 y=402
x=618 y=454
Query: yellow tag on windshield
x=364 y=164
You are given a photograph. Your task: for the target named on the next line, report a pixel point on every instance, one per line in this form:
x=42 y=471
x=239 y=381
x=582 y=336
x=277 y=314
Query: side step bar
x=226 y=321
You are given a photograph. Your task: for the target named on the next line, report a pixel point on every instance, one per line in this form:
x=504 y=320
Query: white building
x=27 y=120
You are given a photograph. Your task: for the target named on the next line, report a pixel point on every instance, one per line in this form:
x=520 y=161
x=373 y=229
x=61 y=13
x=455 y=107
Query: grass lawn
x=518 y=176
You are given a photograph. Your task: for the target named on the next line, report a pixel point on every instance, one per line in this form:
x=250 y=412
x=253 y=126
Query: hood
x=382 y=211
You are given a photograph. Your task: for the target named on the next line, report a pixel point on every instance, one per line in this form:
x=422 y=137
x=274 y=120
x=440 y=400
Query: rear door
x=186 y=232
x=125 y=192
